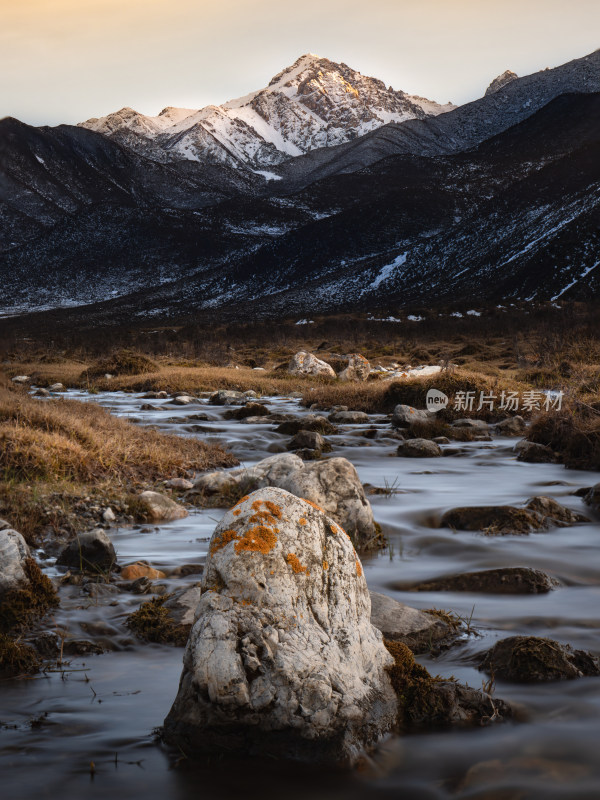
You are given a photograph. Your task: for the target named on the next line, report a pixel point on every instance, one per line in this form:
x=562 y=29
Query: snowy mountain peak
x=501 y=81
x=313 y=103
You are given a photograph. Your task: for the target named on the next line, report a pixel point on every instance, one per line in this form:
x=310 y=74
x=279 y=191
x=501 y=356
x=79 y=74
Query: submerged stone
x=531 y=659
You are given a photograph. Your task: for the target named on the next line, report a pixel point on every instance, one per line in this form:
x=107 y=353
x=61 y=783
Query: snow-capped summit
x=501 y=81
x=313 y=103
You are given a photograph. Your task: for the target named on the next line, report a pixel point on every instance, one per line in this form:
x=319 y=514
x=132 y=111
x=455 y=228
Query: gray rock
x=306 y=439
x=108 y=515
x=183 y=603
x=332 y=484
x=349 y=417
x=89 y=551
x=532 y=659
x=401 y=623
x=592 y=497
x=57 y=387
x=539 y=514
x=505 y=580
x=41 y=393
x=534 y=453
x=179 y=484
x=160 y=508
x=304 y=363
x=282 y=658
x=183 y=400
x=310 y=422
x=22 y=379
x=419 y=448
x=227 y=397
x=512 y=426
x=470 y=423
x=405 y=416
x=14 y=552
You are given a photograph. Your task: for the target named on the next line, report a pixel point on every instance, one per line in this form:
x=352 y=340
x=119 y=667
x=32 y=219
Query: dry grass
x=383 y=396
x=576 y=436
x=72 y=449
x=169 y=378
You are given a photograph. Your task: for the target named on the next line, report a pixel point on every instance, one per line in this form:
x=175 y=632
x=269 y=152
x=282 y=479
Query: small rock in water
x=91 y=550
x=41 y=393
x=307 y=439
x=140 y=570
x=419 y=448
x=183 y=400
x=405 y=416
x=227 y=397
x=512 y=426
x=160 y=508
x=534 y=453
x=397 y=622
x=108 y=515
x=529 y=659
x=539 y=514
x=349 y=417
x=505 y=580
x=57 y=387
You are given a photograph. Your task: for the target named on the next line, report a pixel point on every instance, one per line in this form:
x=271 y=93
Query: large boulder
x=333 y=485
x=529 y=659
x=358 y=369
x=14 y=553
x=89 y=551
x=282 y=659
x=228 y=397
x=304 y=363
x=158 y=507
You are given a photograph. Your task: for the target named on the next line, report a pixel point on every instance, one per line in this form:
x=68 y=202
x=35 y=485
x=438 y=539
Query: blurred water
x=113 y=706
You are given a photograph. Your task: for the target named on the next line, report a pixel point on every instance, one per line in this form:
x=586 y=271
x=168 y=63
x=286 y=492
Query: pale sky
x=68 y=60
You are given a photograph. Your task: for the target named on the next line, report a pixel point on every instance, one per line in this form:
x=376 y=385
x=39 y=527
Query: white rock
x=109 y=515
x=21 y=379
x=13 y=554
x=304 y=363
x=159 y=508
x=332 y=484
x=282 y=658
x=57 y=387
x=181 y=484
x=183 y=400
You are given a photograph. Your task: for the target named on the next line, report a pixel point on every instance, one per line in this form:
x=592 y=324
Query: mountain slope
x=314 y=103
x=460 y=129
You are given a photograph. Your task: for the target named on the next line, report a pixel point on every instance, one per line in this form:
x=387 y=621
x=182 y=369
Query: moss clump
x=16 y=658
x=418 y=700
x=152 y=622
x=21 y=606
x=123 y=362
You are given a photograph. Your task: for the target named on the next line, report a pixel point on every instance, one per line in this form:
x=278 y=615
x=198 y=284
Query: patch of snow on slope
x=386 y=271
x=581 y=277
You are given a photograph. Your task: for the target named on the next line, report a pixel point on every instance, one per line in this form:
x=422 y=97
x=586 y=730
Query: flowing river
x=104 y=708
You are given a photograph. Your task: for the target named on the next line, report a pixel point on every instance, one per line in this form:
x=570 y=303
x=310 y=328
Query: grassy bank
x=55 y=454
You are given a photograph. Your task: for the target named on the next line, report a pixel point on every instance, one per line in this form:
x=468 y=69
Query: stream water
x=104 y=708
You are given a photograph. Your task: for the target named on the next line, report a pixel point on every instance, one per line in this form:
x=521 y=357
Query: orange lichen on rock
x=359 y=570
x=314 y=505
x=326 y=565
x=294 y=562
x=237 y=512
x=222 y=540
x=273 y=508
x=242 y=500
x=333 y=529
x=259 y=539
x=302 y=521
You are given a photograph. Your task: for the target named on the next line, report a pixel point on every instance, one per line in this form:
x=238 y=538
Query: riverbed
x=104 y=708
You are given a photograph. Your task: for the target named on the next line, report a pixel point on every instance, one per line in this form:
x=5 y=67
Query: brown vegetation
x=576 y=436
x=72 y=449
